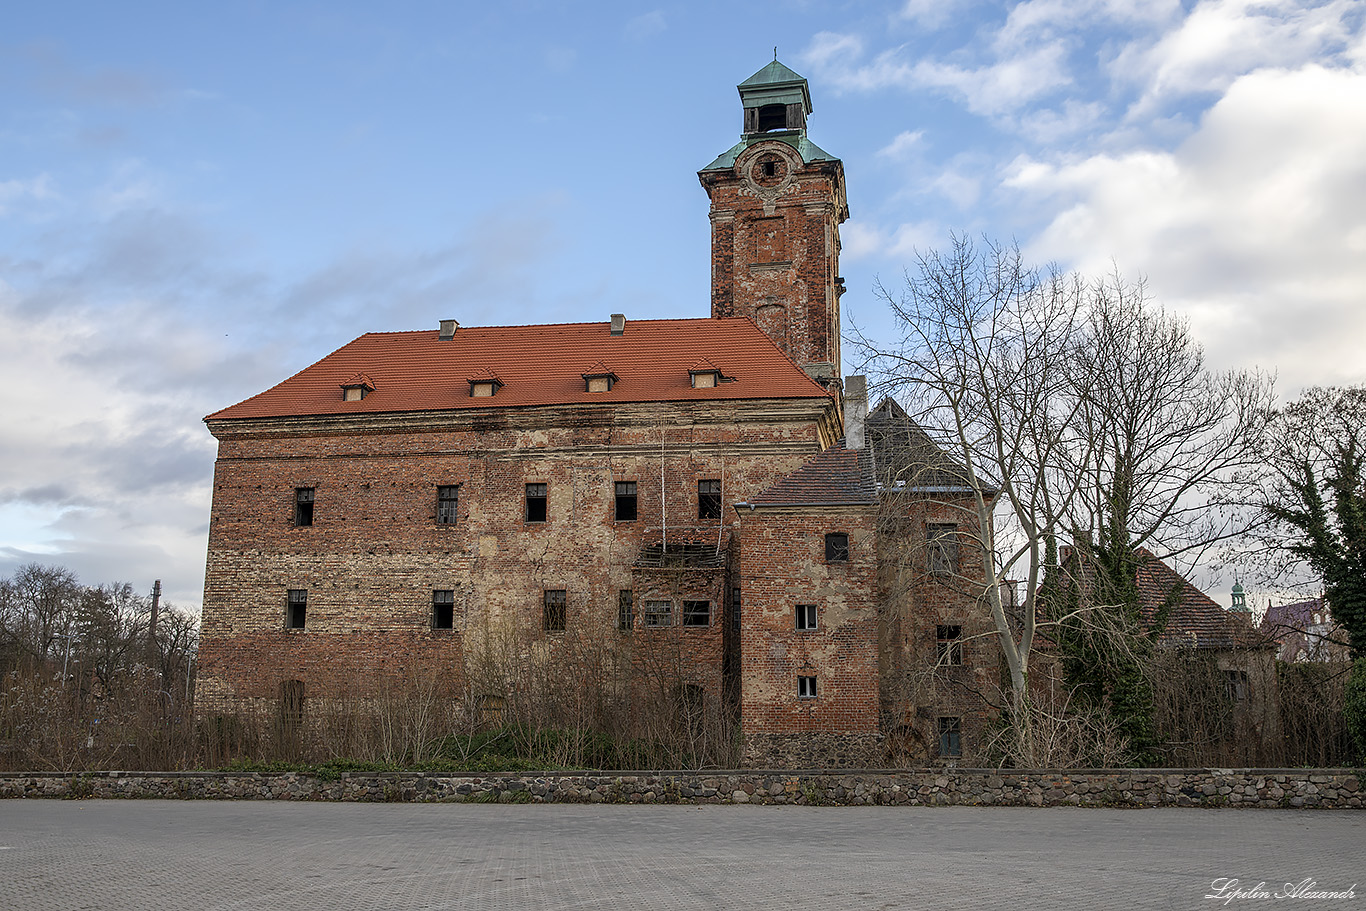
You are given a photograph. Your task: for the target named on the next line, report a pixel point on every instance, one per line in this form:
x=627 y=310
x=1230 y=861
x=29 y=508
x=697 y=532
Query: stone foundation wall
x=818 y=750
x=1283 y=788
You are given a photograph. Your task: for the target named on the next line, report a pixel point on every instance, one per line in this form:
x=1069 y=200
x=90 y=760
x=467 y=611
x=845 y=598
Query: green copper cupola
x=1239 y=601
x=775 y=98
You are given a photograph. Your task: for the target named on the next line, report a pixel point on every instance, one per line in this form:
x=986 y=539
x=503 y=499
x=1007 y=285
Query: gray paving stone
x=229 y=856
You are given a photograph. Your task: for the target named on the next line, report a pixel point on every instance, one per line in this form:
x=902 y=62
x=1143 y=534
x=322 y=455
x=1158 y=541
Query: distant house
x=1305 y=631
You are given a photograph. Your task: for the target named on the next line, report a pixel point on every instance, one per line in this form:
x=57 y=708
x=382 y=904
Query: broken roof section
x=537 y=365
x=835 y=477
x=907 y=459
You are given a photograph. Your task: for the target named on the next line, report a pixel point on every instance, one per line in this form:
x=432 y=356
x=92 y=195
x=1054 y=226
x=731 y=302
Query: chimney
x=448 y=327
x=855 y=410
x=618 y=323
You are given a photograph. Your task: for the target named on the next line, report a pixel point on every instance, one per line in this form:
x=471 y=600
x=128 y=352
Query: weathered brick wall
x=375 y=552
x=1208 y=788
x=783 y=564
x=779 y=267
x=918 y=685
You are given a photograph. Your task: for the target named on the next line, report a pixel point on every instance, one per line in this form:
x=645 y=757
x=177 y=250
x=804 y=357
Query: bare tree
x=983 y=365
x=1073 y=410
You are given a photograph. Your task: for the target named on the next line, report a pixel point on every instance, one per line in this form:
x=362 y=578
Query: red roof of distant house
x=1195 y=618
x=538 y=365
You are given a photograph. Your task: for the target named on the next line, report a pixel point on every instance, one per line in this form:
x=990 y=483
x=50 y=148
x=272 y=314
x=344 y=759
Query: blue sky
x=196 y=203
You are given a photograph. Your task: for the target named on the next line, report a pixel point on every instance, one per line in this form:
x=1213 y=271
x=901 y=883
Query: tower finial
x=775 y=53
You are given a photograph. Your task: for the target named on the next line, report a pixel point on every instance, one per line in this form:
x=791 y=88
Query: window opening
x=626 y=617
x=806 y=616
x=735 y=609
x=659 y=614
x=626 y=501
x=950 y=737
x=943 y=549
x=296 y=611
x=1236 y=683
x=553 y=614
x=806 y=687
x=535 y=503
x=708 y=499
x=948 y=646
x=303 y=506
x=697 y=613
x=447 y=504
x=443 y=608
x=772 y=117
x=837 y=547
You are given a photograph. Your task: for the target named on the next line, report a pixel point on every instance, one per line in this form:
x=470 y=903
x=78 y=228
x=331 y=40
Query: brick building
x=695 y=485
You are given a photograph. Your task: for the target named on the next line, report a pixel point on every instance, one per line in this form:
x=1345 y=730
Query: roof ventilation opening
x=618 y=323
x=448 y=327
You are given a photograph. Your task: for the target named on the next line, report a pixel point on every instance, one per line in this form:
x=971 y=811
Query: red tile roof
x=1196 y=619
x=837 y=476
x=539 y=365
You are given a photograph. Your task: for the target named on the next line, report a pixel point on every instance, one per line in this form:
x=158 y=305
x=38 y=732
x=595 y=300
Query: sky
x=199 y=200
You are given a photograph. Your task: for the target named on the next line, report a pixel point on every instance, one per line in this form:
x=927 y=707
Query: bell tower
x=777 y=201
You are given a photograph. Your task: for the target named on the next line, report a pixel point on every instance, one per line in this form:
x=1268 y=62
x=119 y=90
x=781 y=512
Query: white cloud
x=1254 y=226
x=1013 y=79
x=1222 y=40
x=932 y=14
x=903 y=145
x=12 y=191
x=859 y=240
x=646 y=25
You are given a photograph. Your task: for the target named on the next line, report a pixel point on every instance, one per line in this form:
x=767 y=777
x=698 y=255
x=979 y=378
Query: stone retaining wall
x=1327 y=788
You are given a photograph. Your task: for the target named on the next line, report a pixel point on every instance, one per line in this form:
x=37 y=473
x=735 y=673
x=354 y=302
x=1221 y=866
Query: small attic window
x=357 y=388
x=484 y=385
x=705 y=375
x=599 y=378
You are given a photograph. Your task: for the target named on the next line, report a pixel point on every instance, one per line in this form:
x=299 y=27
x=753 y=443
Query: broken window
x=697 y=613
x=948 y=645
x=942 y=558
x=659 y=614
x=626 y=501
x=443 y=608
x=553 y=612
x=806 y=687
x=837 y=547
x=296 y=609
x=535 y=503
x=772 y=117
x=1236 y=683
x=626 y=617
x=806 y=616
x=447 y=504
x=708 y=499
x=303 y=506
x=950 y=737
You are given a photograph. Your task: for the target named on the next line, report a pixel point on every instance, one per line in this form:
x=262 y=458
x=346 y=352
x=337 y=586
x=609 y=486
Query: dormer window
x=357 y=388
x=599 y=378
x=484 y=384
x=705 y=375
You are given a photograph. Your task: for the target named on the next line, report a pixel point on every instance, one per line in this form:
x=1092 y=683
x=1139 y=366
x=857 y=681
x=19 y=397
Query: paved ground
x=206 y=856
